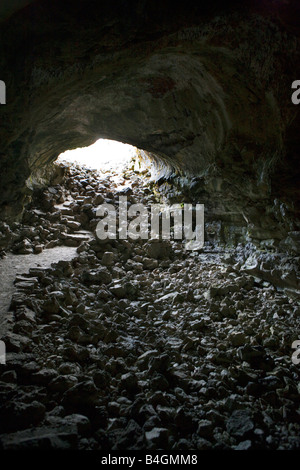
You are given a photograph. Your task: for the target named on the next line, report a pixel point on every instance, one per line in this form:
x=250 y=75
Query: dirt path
x=12 y=265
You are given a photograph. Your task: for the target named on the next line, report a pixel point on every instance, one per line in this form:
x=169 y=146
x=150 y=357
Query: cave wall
x=204 y=87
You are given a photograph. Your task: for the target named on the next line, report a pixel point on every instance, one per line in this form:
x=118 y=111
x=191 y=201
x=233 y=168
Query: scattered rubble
x=138 y=345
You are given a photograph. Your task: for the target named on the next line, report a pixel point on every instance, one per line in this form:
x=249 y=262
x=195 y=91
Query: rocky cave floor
x=141 y=344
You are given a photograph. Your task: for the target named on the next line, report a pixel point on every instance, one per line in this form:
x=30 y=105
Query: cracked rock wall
x=206 y=88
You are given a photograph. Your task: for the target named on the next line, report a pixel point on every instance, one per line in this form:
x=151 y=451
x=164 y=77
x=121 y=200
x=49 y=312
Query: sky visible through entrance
x=104 y=154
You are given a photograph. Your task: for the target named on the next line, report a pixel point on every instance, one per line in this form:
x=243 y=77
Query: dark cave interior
x=122 y=344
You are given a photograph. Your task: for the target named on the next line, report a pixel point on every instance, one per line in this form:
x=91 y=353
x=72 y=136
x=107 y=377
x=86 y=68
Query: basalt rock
x=195 y=352
x=140 y=344
x=205 y=91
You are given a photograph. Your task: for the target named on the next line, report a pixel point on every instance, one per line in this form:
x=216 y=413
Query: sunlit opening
x=105 y=155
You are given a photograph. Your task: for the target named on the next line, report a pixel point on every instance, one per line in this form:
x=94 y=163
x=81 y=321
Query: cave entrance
x=104 y=155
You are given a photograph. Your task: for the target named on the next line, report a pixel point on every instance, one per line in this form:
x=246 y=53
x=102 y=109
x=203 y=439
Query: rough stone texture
x=204 y=88
x=192 y=353
x=139 y=345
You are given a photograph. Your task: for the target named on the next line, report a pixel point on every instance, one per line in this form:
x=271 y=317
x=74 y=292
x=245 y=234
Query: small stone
x=43 y=438
x=9 y=376
x=205 y=428
x=157 y=437
x=98 y=199
x=129 y=382
x=73 y=225
x=237 y=338
x=44 y=376
x=99 y=276
x=118 y=290
x=26 y=314
x=82 y=394
x=62 y=383
x=158 y=250
x=149 y=263
x=239 y=423
x=18 y=415
x=15 y=342
x=51 y=306
x=244 y=445
x=108 y=258
x=80 y=421
x=203 y=444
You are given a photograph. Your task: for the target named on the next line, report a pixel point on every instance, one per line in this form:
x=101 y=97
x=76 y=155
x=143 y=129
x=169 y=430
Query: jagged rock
x=82 y=423
x=73 y=225
x=15 y=342
x=74 y=239
x=203 y=444
x=82 y=394
x=237 y=338
x=149 y=263
x=51 y=306
x=205 y=429
x=41 y=438
x=240 y=423
x=108 y=258
x=62 y=383
x=24 y=247
x=157 y=437
x=118 y=290
x=74 y=352
x=158 y=250
x=129 y=381
x=9 y=376
x=99 y=276
x=179 y=347
x=16 y=415
x=44 y=376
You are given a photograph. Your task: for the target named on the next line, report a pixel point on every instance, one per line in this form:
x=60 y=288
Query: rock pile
x=141 y=344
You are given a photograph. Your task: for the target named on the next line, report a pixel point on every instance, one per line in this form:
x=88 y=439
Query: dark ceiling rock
x=8 y=7
x=206 y=88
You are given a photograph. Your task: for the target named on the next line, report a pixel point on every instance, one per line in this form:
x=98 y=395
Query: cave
x=144 y=343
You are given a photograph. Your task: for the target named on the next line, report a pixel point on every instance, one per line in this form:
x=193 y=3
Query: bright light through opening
x=103 y=155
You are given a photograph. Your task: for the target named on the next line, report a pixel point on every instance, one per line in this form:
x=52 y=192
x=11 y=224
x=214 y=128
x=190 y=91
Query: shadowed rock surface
x=143 y=344
x=206 y=88
x=122 y=344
